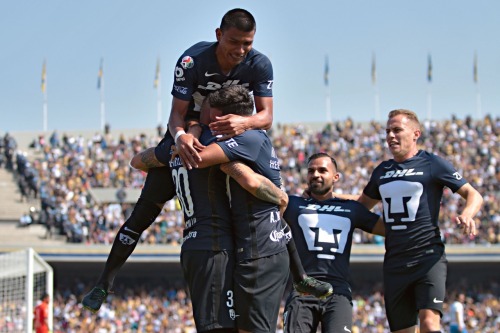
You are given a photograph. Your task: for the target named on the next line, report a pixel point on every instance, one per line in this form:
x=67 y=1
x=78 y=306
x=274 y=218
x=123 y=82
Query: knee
x=429 y=321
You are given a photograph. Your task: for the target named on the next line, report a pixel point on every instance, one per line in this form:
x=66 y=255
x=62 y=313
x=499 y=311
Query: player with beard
x=322 y=226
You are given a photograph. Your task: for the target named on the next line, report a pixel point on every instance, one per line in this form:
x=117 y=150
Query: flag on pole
x=157 y=75
x=475 y=68
x=374 y=70
x=99 y=75
x=44 y=77
x=429 y=68
x=327 y=70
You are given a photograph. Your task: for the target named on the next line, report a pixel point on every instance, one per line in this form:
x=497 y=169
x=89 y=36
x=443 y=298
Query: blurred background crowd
x=58 y=182
x=146 y=307
x=60 y=179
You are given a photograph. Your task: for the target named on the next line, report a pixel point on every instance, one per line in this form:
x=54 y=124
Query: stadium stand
x=78 y=177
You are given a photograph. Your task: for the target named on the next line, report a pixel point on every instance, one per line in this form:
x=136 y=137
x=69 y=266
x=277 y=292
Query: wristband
x=178 y=134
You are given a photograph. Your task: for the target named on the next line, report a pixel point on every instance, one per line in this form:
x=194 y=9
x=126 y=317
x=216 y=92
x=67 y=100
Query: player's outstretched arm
x=146 y=160
x=367 y=201
x=473 y=203
x=379 y=228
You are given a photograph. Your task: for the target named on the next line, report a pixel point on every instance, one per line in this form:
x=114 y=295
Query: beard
x=318 y=189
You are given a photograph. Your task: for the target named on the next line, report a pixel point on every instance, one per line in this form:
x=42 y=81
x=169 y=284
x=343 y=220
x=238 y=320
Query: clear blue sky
x=130 y=35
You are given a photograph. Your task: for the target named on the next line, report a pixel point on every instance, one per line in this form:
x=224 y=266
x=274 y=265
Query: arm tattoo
x=267 y=191
x=149 y=159
x=233 y=170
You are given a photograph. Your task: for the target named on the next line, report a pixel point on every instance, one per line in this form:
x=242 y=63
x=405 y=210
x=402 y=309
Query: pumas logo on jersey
x=401 y=173
x=232 y=314
x=187 y=62
x=325 y=208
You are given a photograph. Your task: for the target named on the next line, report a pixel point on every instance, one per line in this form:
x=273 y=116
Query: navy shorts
x=422 y=286
x=209 y=275
x=259 y=285
x=304 y=313
x=162 y=149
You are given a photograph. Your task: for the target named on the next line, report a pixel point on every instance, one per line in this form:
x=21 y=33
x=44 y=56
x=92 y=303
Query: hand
x=197 y=145
x=228 y=126
x=467 y=223
x=185 y=146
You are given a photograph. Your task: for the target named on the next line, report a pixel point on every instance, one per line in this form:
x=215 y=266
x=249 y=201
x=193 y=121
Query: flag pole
x=479 y=111
x=158 y=92
x=44 y=93
x=376 y=97
x=429 y=86
x=100 y=86
x=328 y=102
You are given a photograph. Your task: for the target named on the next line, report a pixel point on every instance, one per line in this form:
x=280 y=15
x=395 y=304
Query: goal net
x=24 y=278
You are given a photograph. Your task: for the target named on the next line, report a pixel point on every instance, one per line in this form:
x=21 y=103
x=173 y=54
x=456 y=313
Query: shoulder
x=253 y=135
x=296 y=199
x=258 y=60
x=198 y=49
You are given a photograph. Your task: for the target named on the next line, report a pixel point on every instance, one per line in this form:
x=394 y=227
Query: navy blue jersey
x=257 y=224
x=322 y=231
x=197 y=73
x=202 y=231
x=411 y=194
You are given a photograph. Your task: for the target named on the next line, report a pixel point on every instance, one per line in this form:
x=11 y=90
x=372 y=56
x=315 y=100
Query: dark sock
x=296 y=268
x=143 y=215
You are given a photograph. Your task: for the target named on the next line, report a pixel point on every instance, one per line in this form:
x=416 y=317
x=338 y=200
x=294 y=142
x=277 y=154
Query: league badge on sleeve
x=187 y=62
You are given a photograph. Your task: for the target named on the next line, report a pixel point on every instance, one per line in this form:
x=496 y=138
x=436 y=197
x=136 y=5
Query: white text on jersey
x=325 y=208
x=401 y=173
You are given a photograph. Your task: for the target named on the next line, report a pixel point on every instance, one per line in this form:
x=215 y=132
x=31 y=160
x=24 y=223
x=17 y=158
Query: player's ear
x=416 y=134
x=336 y=177
x=218 y=34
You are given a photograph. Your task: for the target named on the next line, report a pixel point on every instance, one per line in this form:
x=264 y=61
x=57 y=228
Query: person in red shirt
x=41 y=320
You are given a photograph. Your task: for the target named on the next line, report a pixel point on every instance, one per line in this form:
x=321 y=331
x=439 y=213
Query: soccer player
x=262 y=263
x=322 y=226
x=204 y=67
x=410 y=186
x=208 y=66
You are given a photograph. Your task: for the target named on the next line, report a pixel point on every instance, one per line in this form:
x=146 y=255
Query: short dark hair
x=232 y=100
x=320 y=155
x=240 y=19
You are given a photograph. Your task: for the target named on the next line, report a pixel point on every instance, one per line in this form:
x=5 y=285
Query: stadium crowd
x=163 y=309
x=69 y=166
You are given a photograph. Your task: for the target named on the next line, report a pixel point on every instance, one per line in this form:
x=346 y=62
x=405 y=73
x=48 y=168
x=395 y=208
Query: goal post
x=24 y=278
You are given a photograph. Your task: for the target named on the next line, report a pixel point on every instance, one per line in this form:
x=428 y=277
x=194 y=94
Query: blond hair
x=412 y=116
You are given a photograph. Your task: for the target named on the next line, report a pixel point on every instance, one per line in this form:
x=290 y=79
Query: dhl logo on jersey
x=401 y=173
x=325 y=208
